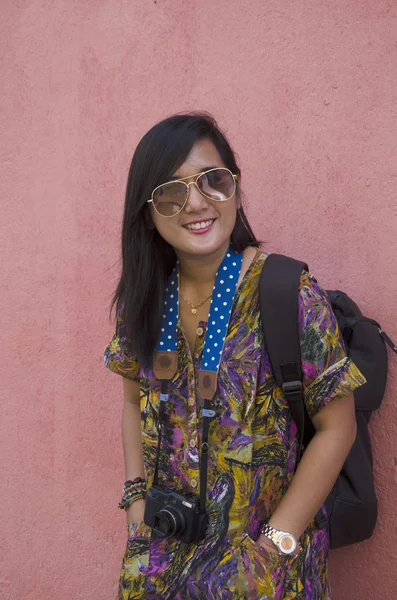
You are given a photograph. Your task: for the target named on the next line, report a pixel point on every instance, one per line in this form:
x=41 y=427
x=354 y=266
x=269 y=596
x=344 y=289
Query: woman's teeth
x=201 y=225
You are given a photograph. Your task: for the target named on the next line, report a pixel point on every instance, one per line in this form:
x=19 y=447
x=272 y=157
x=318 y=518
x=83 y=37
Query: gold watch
x=285 y=542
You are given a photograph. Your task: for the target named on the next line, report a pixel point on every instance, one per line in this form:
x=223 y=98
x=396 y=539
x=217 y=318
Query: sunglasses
x=216 y=184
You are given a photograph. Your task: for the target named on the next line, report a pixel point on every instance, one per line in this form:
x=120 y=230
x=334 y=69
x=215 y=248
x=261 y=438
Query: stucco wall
x=307 y=92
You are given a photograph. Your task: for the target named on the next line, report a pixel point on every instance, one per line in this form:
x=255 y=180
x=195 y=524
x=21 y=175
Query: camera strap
x=166 y=356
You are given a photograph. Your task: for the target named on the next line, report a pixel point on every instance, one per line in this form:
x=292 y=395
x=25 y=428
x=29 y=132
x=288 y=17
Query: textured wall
x=307 y=92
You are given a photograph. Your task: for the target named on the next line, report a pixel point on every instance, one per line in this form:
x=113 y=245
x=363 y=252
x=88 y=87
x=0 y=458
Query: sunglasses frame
x=182 y=180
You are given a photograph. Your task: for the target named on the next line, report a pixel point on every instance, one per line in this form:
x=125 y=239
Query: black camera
x=171 y=514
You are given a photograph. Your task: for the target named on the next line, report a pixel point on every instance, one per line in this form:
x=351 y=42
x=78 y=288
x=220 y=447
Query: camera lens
x=169 y=521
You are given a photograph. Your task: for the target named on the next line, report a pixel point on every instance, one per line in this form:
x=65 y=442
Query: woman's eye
x=214 y=179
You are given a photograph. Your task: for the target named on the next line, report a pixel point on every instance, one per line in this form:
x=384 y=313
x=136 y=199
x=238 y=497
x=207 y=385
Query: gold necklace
x=194 y=307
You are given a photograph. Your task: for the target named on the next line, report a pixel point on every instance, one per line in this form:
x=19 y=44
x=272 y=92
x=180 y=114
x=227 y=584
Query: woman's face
x=219 y=217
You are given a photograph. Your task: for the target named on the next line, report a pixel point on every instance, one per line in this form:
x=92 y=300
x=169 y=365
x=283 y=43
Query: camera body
x=174 y=515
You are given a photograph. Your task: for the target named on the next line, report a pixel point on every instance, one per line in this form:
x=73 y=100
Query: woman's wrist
x=280 y=539
x=136 y=511
x=133 y=490
x=264 y=541
x=281 y=525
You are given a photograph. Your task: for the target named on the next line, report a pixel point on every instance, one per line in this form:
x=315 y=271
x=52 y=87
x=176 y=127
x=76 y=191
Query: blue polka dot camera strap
x=218 y=320
x=166 y=357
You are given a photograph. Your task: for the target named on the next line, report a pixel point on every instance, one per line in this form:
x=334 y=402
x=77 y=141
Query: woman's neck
x=199 y=272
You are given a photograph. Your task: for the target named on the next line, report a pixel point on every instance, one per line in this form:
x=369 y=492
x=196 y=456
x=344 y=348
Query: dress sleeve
x=118 y=357
x=327 y=372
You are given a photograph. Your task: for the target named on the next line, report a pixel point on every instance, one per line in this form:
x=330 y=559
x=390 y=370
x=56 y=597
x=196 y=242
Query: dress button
x=191 y=401
x=194 y=483
x=192 y=443
x=200 y=331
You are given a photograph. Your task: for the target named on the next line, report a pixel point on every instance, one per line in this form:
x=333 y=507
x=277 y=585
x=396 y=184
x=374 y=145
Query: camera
x=174 y=515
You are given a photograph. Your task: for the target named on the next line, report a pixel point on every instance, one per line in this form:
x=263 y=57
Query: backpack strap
x=278 y=297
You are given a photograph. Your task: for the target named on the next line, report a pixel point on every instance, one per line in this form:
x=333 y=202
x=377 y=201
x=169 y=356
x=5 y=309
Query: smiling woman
x=208 y=204
x=180 y=148
x=214 y=506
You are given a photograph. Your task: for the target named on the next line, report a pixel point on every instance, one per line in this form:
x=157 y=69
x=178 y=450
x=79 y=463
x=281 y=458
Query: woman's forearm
x=132 y=441
x=133 y=456
x=315 y=476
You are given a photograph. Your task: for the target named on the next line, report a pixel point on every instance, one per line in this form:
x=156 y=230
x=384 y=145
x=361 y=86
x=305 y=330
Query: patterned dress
x=251 y=458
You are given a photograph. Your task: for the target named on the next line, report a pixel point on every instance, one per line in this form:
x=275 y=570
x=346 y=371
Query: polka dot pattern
x=220 y=309
x=168 y=336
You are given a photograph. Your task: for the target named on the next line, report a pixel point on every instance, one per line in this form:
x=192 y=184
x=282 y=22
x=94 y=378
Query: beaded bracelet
x=126 y=503
x=129 y=483
x=132 y=488
x=132 y=491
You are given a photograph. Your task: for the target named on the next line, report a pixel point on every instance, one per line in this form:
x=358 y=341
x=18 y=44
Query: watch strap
x=274 y=535
x=270 y=533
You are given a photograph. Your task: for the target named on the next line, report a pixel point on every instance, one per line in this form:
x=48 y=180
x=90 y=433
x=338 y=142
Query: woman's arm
x=132 y=443
x=319 y=468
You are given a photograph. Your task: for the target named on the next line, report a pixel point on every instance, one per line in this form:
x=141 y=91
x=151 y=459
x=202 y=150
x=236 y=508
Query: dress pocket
x=243 y=573
x=135 y=562
x=262 y=570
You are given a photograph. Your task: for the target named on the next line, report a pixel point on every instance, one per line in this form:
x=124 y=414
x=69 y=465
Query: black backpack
x=352 y=504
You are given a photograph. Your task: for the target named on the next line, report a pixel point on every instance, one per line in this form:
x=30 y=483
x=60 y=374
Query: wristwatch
x=285 y=542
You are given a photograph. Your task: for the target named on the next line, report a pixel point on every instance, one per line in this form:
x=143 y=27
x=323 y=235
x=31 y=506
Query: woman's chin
x=204 y=245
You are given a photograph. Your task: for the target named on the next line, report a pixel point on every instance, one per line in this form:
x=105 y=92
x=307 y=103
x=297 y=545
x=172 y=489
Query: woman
x=193 y=404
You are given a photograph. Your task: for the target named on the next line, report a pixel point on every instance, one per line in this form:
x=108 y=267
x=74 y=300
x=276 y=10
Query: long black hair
x=147 y=258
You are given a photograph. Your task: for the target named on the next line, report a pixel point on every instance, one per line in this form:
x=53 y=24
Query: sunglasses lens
x=169 y=198
x=218 y=184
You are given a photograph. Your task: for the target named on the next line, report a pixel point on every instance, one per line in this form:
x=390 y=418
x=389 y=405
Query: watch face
x=287 y=543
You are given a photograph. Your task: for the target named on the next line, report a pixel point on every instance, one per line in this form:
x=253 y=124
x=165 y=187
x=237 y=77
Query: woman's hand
x=135 y=512
x=319 y=468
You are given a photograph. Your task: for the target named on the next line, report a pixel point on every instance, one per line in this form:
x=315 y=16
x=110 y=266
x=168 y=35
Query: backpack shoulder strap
x=278 y=296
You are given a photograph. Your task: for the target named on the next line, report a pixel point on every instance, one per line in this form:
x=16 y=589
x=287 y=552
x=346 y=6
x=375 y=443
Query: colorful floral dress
x=251 y=458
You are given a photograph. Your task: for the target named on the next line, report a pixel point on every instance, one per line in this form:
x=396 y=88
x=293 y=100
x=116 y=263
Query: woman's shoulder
x=307 y=278
x=249 y=286
x=308 y=285
x=255 y=259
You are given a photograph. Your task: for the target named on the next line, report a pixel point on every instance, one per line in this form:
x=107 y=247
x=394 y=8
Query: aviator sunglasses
x=170 y=198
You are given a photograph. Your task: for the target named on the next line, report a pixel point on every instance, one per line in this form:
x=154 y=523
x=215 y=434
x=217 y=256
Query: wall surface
x=307 y=91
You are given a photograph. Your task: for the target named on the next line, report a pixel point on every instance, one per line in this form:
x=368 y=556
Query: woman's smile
x=199 y=227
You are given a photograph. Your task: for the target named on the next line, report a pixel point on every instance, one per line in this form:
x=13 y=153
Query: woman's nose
x=196 y=202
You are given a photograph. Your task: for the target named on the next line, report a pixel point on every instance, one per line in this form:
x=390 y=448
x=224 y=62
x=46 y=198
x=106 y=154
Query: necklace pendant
x=194 y=311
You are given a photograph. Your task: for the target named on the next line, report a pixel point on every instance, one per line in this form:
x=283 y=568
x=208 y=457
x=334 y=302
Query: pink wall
x=307 y=91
